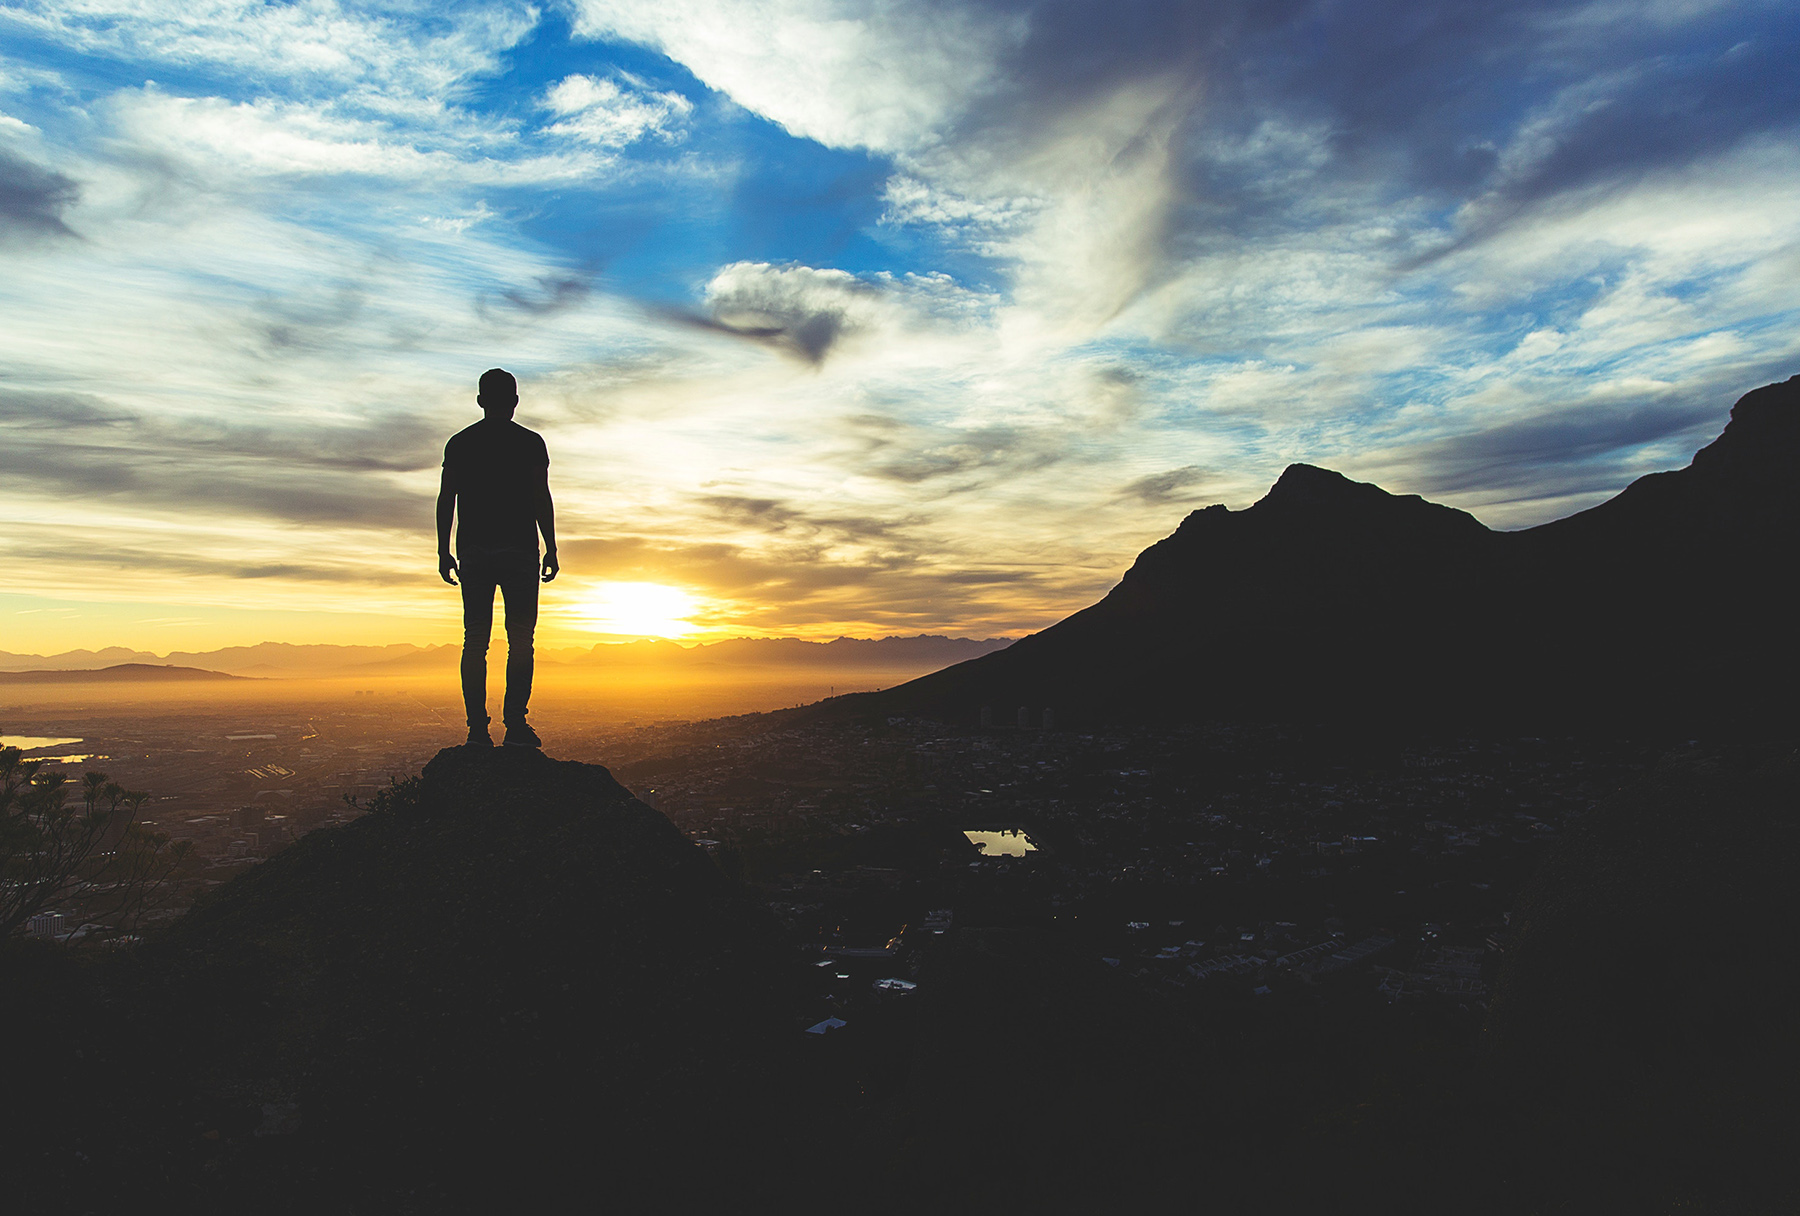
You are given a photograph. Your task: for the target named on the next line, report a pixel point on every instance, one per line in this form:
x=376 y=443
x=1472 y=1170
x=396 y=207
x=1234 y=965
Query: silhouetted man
x=497 y=488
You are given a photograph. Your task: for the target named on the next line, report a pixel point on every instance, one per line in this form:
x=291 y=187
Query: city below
x=1205 y=859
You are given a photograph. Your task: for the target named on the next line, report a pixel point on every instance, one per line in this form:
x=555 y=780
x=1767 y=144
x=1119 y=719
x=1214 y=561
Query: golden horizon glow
x=644 y=610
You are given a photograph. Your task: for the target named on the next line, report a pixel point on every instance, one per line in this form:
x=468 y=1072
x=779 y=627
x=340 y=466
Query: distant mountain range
x=121 y=673
x=280 y=659
x=1670 y=604
x=267 y=658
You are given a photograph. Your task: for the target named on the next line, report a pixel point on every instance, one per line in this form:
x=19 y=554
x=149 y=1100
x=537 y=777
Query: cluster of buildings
x=241 y=781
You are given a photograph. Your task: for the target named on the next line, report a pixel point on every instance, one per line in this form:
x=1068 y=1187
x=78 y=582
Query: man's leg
x=478 y=625
x=520 y=590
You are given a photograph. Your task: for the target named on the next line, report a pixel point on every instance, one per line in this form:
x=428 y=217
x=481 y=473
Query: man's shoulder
x=529 y=440
x=464 y=437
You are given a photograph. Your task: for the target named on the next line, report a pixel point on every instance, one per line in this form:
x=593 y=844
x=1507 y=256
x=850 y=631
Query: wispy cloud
x=1175 y=485
x=600 y=111
x=887 y=77
x=323 y=44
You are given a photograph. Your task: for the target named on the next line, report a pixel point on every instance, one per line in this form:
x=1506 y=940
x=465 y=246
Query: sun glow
x=642 y=610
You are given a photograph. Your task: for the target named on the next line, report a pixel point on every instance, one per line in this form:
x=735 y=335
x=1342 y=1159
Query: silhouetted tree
x=95 y=855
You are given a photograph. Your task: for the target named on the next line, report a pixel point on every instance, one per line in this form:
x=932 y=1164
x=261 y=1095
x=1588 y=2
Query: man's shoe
x=478 y=736
x=518 y=734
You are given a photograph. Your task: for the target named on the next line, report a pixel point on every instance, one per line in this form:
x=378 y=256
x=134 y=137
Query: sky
x=845 y=318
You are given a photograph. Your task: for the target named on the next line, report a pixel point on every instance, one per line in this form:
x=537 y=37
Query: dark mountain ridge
x=1329 y=598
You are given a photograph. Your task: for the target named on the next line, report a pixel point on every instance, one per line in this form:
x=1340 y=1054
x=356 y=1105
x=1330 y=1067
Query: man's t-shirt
x=495 y=469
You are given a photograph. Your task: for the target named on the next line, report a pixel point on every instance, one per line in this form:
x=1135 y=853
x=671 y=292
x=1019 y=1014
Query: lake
x=1007 y=842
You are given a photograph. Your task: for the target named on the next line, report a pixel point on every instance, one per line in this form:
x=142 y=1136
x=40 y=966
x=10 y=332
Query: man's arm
x=546 y=522
x=446 y=512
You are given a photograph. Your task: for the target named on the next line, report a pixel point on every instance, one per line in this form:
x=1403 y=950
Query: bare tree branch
x=97 y=857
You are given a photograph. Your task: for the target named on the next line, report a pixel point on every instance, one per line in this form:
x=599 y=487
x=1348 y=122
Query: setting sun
x=648 y=610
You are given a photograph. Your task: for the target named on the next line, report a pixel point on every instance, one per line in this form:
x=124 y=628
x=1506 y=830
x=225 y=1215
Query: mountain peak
x=1307 y=485
x=1299 y=476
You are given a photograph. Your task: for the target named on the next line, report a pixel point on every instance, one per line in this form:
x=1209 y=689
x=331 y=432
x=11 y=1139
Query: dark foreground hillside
x=1645 y=1022
x=511 y=977
x=1638 y=1057
x=513 y=987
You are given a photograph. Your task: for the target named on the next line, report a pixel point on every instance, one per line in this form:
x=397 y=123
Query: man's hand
x=447 y=568
x=551 y=565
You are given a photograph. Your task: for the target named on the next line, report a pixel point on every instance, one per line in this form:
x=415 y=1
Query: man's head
x=498 y=394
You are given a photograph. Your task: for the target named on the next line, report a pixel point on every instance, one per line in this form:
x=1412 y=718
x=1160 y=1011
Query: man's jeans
x=516 y=575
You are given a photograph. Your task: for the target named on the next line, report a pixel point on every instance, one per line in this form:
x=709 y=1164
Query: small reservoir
x=1003 y=842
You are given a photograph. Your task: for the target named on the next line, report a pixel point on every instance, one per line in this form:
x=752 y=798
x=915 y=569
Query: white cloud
x=462 y=221
x=1723 y=211
x=596 y=110
x=320 y=41
x=889 y=77
x=911 y=200
x=16 y=77
x=1108 y=173
x=276 y=137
